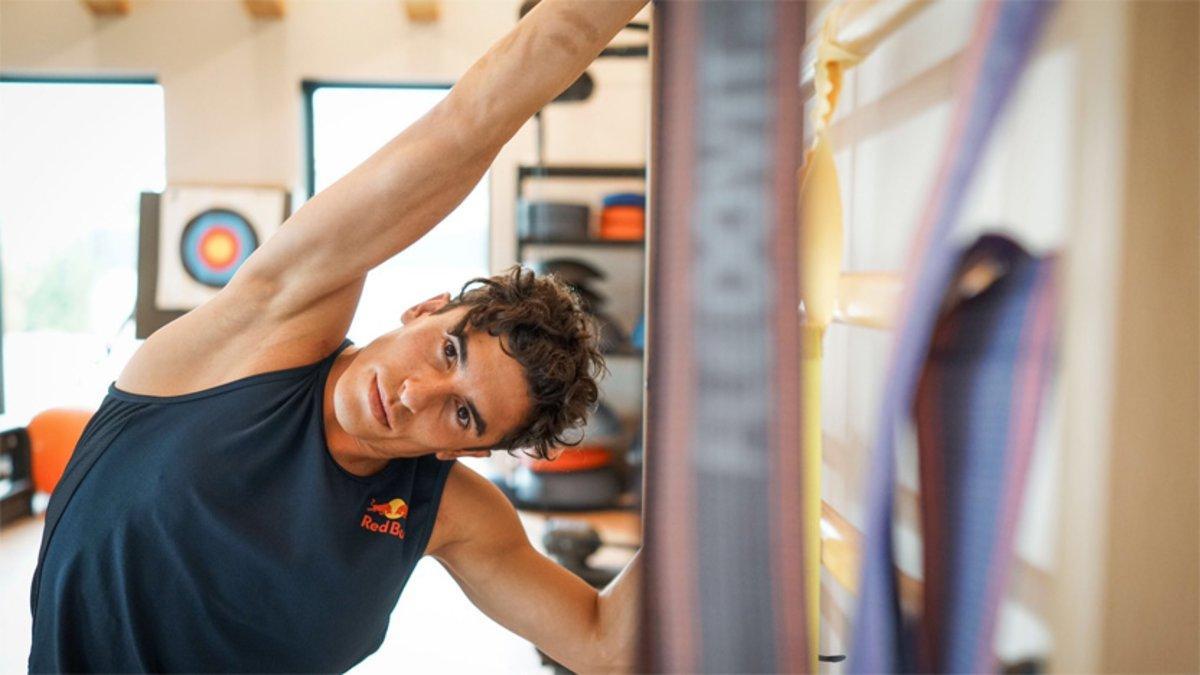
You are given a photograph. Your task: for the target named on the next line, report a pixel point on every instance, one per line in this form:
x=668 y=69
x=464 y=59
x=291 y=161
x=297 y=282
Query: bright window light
x=73 y=159
x=351 y=123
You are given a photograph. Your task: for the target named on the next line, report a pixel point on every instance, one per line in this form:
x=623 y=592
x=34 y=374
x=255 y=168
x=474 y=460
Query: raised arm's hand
x=480 y=541
x=399 y=193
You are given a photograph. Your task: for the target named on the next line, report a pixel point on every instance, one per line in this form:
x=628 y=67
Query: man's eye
x=449 y=350
x=463 y=415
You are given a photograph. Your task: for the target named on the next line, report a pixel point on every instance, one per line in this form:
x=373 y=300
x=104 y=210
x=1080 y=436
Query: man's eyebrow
x=458 y=333
x=480 y=425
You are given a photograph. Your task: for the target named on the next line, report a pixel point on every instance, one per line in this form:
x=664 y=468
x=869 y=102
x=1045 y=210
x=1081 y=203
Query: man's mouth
x=378 y=409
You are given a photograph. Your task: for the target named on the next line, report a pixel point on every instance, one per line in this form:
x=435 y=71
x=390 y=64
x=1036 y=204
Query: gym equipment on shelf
x=573 y=271
x=16 y=479
x=582 y=490
x=570 y=543
x=552 y=221
x=623 y=217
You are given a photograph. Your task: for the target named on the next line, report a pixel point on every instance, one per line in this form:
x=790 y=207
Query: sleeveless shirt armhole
x=247 y=381
x=108 y=419
x=439 y=486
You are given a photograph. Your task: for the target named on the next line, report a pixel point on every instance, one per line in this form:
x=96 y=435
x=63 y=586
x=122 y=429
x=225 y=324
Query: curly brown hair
x=541 y=324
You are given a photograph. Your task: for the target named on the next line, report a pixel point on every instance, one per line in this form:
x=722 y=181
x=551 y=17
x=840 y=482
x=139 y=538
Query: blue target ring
x=214 y=245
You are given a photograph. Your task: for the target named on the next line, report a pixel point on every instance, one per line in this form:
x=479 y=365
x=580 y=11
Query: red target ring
x=219 y=248
x=214 y=245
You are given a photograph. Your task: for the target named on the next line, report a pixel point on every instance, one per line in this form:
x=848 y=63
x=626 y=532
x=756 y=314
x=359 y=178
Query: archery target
x=215 y=244
x=205 y=234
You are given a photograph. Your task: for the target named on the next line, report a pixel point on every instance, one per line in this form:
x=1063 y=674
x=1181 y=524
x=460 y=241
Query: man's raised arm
x=399 y=193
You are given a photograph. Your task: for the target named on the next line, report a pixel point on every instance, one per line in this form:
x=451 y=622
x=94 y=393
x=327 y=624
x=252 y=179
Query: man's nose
x=416 y=394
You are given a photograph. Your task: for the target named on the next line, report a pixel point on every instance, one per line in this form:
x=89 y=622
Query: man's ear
x=424 y=308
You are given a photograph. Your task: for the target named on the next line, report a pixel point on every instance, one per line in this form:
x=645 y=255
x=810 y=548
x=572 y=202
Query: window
x=76 y=154
x=348 y=124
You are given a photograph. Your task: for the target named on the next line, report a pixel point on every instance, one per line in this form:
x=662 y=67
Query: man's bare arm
x=408 y=186
x=485 y=549
x=292 y=301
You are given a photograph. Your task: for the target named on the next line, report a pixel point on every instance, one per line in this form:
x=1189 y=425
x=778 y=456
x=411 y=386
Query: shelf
x=586 y=243
x=626 y=51
x=633 y=353
x=580 y=171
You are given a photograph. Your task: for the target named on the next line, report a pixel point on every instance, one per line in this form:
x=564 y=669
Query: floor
x=18 y=556
x=433 y=629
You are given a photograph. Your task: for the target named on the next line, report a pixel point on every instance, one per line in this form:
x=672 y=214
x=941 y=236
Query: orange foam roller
x=571 y=459
x=622 y=222
x=52 y=438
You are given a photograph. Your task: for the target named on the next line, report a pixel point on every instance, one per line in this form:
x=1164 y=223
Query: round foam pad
x=625 y=199
x=52 y=438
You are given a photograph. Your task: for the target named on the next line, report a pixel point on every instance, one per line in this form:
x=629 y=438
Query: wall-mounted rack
x=598 y=243
x=626 y=52
x=579 y=171
x=582 y=171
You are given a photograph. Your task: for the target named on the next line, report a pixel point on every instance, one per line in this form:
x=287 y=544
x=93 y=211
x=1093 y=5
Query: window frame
x=20 y=78
x=309 y=88
x=78 y=79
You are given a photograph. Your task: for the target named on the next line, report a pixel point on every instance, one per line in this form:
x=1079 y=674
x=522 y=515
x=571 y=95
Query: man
x=255 y=491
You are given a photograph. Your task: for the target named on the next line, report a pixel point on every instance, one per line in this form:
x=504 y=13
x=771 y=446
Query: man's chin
x=385 y=446
x=356 y=428
x=367 y=430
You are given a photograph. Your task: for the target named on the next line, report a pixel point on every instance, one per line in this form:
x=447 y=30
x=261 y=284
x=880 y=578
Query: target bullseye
x=215 y=244
x=219 y=248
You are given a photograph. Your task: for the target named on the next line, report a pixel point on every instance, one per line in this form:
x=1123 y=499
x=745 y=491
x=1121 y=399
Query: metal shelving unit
x=526 y=172
x=579 y=171
x=582 y=171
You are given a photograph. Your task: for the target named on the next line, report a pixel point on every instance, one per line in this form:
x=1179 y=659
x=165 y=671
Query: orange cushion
x=52 y=438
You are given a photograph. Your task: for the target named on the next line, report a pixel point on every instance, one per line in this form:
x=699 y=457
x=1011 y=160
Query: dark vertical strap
x=786 y=505
x=723 y=531
x=976 y=410
x=670 y=623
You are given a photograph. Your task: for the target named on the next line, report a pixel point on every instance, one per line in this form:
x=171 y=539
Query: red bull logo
x=392 y=511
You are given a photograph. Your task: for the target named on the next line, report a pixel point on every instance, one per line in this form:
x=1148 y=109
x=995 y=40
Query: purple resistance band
x=1004 y=37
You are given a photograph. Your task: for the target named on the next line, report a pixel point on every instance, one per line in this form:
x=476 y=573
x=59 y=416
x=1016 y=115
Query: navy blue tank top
x=213 y=531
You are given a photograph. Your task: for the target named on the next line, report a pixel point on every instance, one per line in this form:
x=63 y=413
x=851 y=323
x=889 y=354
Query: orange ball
x=52 y=438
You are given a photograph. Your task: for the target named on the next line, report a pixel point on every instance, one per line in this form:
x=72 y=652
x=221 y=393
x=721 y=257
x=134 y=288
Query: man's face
x=432 y=386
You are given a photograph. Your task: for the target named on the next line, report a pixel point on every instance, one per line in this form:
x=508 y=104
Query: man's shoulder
x=241 y=331
x=177 y=359
x=472 y=510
